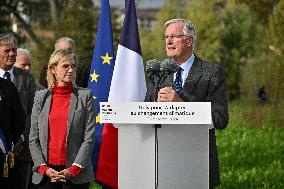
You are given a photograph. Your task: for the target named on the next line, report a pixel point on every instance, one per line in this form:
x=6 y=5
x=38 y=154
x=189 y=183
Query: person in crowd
x=83 y=69
x=25 y=83
x=262 y=95
x=195 y=80
x=63 y=124
x=24 y=62
x=12 y=125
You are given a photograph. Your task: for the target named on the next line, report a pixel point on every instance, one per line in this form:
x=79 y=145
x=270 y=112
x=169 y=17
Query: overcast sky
x=139 y=3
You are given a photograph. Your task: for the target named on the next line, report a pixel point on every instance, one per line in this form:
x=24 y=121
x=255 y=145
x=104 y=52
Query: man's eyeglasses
x=174 y=37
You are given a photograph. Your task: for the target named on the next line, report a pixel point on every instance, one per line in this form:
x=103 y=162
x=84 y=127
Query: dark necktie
x=7 y=75
x=177 y=85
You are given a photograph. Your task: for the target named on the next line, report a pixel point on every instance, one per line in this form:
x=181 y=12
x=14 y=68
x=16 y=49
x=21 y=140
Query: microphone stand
x=156 y=126
x=158 y=85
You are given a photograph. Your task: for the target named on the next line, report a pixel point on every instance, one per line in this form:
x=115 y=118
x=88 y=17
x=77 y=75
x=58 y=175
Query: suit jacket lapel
x=73 y=104
x=18 y=78
x=194 y=75
x=45 y=111
x=191 y=81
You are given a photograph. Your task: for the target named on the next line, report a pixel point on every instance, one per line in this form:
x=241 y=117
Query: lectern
x=161 y=145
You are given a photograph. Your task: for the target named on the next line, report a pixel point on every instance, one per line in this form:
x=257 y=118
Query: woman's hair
x=57 y=57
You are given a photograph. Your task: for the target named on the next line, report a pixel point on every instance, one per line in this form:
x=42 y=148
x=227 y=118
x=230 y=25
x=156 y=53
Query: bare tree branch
x=27 y=27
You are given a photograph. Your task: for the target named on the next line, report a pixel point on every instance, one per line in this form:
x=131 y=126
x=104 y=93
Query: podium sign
x=156 y=112
x=173 y=156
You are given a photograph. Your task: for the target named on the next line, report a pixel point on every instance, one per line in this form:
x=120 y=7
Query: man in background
x=82 y=72
x=24 y=62
x=26 y=86
x=12 y=125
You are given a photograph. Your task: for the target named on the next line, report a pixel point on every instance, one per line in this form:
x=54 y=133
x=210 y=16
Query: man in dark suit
x=12 y=125
x=24 y=62
x=195 y=81
x=25 y=83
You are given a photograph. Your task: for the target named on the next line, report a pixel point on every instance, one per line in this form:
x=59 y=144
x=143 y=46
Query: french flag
x=128 y=80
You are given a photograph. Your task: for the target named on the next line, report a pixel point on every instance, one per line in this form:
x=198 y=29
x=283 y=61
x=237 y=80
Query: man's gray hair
x=8 y=38
x=65 y=39
x=24 y=51
x=188 y=29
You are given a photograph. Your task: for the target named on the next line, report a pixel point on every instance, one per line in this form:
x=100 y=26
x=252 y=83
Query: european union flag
x=101 y=71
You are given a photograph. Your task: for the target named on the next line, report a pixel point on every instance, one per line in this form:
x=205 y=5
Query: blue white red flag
x=128 y=80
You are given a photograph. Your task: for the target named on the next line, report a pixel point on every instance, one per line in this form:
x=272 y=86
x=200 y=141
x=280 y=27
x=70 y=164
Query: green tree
x=260 y=9
x=20 y=12
x=77 y=20
x=5 y=19
x=226 y=35
x=40 y=54
x=238 y=41
x=275 y=67
x=23 y=12
x=266 y=68
x=205 y=16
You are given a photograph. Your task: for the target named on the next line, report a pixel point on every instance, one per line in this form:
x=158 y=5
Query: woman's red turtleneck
x=57 y=121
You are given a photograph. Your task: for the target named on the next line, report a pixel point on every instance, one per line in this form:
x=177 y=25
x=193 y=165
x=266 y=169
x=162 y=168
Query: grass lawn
x=251 y=157
x=95 y=186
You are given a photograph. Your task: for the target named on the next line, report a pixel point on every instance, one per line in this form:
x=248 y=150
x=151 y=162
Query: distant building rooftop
x=146 y=11
x=140 y=4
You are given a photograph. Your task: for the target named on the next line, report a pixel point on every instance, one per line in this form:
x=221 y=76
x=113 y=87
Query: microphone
x=152 y=78
x=153 y=68
x=168 y=67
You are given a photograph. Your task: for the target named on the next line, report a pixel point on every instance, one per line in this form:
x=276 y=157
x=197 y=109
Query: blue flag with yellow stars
x=101 y=71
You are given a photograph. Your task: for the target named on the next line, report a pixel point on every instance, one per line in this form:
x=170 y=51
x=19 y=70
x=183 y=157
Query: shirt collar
x=11 y=71
x=186 y=67
x=188 y=63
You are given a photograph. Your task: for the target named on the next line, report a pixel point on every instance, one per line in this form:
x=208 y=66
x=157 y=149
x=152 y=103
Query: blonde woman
x=63 y=124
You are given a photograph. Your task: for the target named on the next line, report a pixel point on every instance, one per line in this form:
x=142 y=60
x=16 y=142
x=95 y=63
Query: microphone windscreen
x=168 y=65
x=153 y=65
